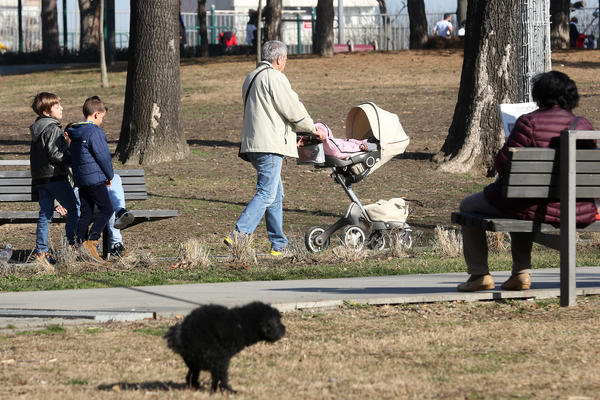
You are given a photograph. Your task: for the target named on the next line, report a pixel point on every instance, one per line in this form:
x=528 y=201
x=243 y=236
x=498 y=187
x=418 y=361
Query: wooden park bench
x=565 y=175
x=15 y=186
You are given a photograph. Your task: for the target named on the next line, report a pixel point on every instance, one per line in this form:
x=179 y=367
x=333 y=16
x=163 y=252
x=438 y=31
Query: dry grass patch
x=448 y=241
x=429 y=351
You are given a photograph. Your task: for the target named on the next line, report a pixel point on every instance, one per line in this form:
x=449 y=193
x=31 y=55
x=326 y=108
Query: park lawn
x=212 y=185
x=483 y=350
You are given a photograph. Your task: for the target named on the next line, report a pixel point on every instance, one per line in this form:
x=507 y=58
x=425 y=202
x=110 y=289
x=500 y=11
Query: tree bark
x=151 y=131
x=418 y=24
x=387 y=23
x=559 y=24
x=324 y=37
x=461 y=11
x=489 y=78
x=89 y=24
x=203 y=28
x=50 y=46
x=273 y=12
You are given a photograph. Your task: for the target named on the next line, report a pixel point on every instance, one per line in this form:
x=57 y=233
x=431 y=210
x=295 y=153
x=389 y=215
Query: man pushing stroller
x=272 y=114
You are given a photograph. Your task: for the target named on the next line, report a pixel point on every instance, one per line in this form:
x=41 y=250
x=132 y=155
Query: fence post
x=213 y=32
x=20 y=22
x=65 y=31
x=299 y=24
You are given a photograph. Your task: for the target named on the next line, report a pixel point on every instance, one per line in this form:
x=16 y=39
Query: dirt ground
x=211 y=187
x=490 y=350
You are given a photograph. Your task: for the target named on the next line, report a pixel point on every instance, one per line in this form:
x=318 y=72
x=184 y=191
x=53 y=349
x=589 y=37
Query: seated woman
x=556 y=95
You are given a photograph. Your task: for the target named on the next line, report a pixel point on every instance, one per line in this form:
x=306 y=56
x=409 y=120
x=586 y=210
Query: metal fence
x=389 y=31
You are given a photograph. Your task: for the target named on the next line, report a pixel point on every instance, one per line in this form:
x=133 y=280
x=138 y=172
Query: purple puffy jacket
x=540 y=128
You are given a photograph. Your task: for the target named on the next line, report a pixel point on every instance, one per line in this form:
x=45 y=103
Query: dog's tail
x=173 y=337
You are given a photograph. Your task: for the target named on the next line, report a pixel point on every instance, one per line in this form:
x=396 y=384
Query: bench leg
x=105 y=245
x=568 y=234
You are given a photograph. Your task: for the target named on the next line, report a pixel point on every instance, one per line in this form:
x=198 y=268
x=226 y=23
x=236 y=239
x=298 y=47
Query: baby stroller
x=361 y=225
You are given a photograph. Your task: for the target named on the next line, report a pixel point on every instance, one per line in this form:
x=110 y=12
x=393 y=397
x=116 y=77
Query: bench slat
x=495 y=224
x=548 y=167
x=16 y=197
x=550 y=180
x=28 y=217
x=15 y=182
x=540 y=154
x=548 y=192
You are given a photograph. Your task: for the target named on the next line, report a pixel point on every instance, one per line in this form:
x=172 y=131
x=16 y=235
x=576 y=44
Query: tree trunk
x=324 y=37
x=89 y=24
x=103 y=70
x=50 y=46
x=489 y=78
x=559 y=24
x=418 y=24
x=461 y=12
x=387 y=23
x=273 y=19
x=203 y=28
x=151 y=131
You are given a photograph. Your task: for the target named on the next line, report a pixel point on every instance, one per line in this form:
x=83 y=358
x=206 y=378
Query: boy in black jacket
x=92 y=172
x=49 y=160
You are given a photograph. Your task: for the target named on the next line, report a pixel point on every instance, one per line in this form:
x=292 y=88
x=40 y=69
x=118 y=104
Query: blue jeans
x=117 y=198
x=63 y=193
x=267 y=201
x=90 y=197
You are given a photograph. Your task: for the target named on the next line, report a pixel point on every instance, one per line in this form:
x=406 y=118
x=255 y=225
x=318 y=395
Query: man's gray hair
x=273 y=49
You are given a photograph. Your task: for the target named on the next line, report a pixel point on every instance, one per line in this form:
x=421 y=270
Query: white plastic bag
x=392 y=210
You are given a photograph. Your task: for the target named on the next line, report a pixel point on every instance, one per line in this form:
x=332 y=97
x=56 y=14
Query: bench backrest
x=535 y=173
x=16 y=185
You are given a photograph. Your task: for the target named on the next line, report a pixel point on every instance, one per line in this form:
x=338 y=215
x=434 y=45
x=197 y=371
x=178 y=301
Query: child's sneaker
x=93 y=248
x=41 y=258
x=123 y=218
x=117 y=250
x=276 y=253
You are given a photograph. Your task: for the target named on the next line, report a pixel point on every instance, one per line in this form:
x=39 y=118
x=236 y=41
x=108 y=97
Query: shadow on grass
x=152 y=385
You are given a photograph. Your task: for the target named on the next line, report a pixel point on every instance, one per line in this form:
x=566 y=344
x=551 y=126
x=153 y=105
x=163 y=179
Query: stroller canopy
x=367 y=120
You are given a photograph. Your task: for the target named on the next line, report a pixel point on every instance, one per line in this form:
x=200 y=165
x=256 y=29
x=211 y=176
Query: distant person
x=556 y=96
x=590 y=41
x=49 y=160
x=272 y=115
x=443 y=28
x=251 y=28
x=580 y=42
x=92 y=172
x=573 y=32
x=462 y=30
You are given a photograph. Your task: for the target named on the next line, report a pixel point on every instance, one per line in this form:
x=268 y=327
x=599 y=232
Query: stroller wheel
x=354 y=237
x=405 y=238
x=376 y=241
x=310 y=240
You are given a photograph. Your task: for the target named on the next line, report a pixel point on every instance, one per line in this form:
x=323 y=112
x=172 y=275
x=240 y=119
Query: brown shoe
x=475 y=284
x=92 y=247
x=517 y=282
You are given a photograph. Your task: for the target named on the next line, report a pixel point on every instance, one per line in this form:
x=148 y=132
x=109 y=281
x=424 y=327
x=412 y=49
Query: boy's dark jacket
x=49 y=155
x=90 y=157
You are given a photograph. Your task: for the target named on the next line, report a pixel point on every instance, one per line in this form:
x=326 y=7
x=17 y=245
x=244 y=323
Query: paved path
x=127 y=303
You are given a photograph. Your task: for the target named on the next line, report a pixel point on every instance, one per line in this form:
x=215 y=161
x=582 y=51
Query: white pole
x=341 y=21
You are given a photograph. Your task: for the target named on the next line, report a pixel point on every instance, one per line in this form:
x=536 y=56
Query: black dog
x=210 y=335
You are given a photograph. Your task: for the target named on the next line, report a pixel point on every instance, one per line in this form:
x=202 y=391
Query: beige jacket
x=273 y=113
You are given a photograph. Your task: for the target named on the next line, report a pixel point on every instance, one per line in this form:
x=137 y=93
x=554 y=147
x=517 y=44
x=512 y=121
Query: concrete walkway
x=128 y=303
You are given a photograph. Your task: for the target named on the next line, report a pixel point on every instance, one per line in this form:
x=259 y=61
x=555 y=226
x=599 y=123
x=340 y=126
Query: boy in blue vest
x=92 y=172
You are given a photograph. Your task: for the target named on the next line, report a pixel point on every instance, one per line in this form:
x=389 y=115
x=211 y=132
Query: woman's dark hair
x=554 y=89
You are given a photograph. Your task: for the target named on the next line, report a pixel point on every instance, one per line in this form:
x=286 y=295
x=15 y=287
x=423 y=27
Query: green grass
x=424 y=263
x=52 y=329
x=157 y=331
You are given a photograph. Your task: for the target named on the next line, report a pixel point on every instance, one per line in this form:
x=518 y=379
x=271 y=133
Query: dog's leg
x=223 y=377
